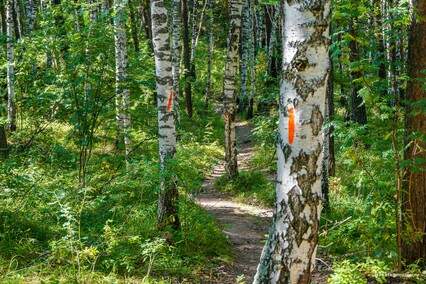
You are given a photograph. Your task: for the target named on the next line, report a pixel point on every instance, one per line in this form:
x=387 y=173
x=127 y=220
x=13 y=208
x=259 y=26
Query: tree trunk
x=229 y=96
x=3 y=18
x=414 y=200
x=134 y=26
x=11 y=108
x=31 y=15
x=245 y=48
x=17 y=19
x=3 y=142
x=122 y=93
x=187 y=58
x=289 y=254
x=210 y=52
x=358 y=110
x=146 y=21
x=167 y=213
x=176 y=21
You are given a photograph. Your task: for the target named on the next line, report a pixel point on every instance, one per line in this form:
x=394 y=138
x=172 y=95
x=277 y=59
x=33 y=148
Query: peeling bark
x=122 y=92
x=229 y=96
x=167 y=214
x=289 y=254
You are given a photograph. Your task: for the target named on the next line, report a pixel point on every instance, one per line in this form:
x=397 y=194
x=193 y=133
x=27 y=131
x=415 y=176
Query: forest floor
x=245 y=225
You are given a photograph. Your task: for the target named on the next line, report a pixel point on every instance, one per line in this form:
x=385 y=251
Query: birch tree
x=289 y=254
x=122 y=94
x=11 y=108
x=176 y=20
x=167 y=213
x=229 y=99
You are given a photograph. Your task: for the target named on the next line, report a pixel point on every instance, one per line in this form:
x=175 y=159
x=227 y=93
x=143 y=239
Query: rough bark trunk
x=11 y=108
x=229 y=96
x=289 y=254
x=187 y=58
x=414 y=199
x=167 y=213
x=176 y=21
x=122 y=93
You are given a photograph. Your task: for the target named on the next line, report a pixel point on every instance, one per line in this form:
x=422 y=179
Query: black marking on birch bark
x=317 y=120
x=306 y=175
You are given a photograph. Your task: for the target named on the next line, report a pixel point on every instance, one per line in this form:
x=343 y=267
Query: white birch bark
x=231 y=69
x=176 y=48
x=289 y=254
x=11 y=108
x=245 y=46
x=167 y=202
x=122 y=92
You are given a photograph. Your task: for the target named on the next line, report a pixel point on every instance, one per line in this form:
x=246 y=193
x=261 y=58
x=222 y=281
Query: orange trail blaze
x=291 y=125
x=170 y=101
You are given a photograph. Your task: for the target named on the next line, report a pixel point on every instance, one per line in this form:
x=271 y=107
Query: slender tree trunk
x=31 y=15
x=168 y=198
x=3 y=142
x=210 y=52
x=11 y=108
x=414 y=199
x=3 y=18
x=121 y=90
x=245 y=56
x=146 y=20
x=289 y=254
x=176 y=21
x=252 y=61
x=229 y=98
x=358 y=110
x=134 y=26
x=18 y=19
x=187 y=58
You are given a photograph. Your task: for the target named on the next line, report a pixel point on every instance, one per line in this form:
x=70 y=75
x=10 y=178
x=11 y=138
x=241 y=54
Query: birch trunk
x=176 y=20
x=229 y=100
x=289 y=254
x=167 y=214
x=11 y=108
x=210 y=52
x=414 y=197
x=245 y=47
x=122 y=93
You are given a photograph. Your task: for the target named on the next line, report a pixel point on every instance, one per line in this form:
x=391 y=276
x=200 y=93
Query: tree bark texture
x=289 y=254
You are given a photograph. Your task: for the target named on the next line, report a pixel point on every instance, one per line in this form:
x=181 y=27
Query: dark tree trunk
x=3 y=18
x=3 y=142
x=134 y=26
x=187 y=58
x=145 y=11
x=357 y=106
x=414 y=199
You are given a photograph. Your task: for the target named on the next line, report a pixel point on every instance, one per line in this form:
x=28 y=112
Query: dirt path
x=244 y=225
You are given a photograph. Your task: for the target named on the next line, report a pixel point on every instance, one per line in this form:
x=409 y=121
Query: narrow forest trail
x=245 y=225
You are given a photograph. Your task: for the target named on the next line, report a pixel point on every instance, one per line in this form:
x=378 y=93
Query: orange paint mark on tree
x=291 y=124
x=170 y=100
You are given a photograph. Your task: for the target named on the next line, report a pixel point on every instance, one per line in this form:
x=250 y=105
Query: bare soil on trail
x=244 y=225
